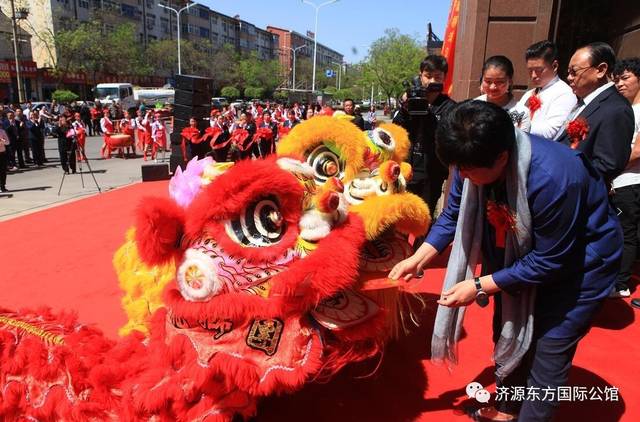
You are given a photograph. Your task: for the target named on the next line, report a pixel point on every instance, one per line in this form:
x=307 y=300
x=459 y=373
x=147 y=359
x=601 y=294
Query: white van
x=118 y=93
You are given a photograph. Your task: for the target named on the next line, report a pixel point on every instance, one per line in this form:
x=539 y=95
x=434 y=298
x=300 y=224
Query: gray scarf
x=517 y=310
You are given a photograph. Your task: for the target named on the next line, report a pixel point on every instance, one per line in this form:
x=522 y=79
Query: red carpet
x=62 y=257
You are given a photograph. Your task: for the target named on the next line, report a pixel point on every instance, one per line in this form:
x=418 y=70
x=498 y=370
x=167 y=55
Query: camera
x=417 y=104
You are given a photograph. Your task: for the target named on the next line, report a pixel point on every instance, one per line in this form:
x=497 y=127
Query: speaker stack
x=192 y=99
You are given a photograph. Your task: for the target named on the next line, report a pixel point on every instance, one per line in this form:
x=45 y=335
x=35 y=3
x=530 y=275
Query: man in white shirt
x=551 y=100
x=625 y=196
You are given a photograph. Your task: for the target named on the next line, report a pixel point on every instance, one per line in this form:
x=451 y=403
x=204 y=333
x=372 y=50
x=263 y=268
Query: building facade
x=198 y=24
x=508 y=27
x=28 y=75
x=288 y=40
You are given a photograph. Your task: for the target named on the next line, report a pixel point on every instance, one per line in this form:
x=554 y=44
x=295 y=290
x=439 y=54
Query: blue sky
x=345 y=25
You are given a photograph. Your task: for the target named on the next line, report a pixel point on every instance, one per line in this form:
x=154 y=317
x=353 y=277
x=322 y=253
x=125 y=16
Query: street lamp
x=339 y=74
x=177 y=12
x=294 y=62
x=315 y=38
x=21 y=13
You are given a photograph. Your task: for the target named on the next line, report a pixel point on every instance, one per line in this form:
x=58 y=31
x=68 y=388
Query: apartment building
x=198 y=24
x=288 y=40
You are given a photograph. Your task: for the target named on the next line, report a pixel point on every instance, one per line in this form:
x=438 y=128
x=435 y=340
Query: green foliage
x=85 y=47
x=341 y=94
x=64 y=96
x=392 y=59
x=230 y=92
x=281 y=95
x=254 y=92
x=255 y=72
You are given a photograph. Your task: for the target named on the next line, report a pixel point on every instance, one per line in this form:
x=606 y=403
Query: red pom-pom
x=159 y=228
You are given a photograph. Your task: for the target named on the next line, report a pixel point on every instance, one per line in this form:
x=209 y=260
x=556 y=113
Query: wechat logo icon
x=475 y=390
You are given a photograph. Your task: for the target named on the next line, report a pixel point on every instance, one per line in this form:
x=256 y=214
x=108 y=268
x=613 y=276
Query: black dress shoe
x=635 y=303
x=3 y=189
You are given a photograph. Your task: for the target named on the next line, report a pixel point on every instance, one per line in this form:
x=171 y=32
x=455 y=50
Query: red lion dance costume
x=265 y=290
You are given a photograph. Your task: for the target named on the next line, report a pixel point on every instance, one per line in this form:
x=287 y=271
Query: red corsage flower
x=502 y=220
x=577 y=129
x=534 y=103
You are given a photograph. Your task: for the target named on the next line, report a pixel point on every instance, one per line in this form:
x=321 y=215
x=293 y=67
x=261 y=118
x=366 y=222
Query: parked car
x=221 y=100
x=238 y=104
x=216 y=104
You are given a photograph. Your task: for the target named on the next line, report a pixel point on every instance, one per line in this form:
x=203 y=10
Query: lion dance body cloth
x=252 y=279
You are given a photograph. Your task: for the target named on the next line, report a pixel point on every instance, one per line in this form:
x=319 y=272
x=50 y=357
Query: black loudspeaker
x=194 y=84
x=176 y=138
x=153 y=172
x=185 y=112
x=176 y=160
x=190 y=98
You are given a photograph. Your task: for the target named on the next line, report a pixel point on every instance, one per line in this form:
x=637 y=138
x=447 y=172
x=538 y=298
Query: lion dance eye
x=325 y=164
x=383 y=139
x=260 y=224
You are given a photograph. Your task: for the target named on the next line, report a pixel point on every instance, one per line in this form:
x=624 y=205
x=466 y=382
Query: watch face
x=482 y=299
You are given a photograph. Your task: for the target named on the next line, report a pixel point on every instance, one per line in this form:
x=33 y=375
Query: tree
x=281 y=95
x=254 y=92
x=254 y=72
x=64 y=96
x=123 y=54
x=223 y=65
x=230 y=92
x=393 y=59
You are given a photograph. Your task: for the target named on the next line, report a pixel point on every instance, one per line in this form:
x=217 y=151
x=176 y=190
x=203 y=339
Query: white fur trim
x=295 y=166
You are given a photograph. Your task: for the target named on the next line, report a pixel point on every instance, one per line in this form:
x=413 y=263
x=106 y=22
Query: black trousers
x=37 y=148
x=67 y=151
x=545 y=366
x=626 y=201
x=17 y=150
x=3 y=169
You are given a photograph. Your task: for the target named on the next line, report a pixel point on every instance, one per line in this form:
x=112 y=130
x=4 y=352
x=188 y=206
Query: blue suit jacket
x=611 y=127
x=577 y=240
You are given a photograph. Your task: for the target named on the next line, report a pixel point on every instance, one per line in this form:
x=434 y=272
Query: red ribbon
x=191 y=134
x=239 y=137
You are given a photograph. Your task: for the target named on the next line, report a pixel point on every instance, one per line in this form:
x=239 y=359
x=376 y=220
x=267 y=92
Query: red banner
x=67 y=78
x=28 y=69
x=449 y=44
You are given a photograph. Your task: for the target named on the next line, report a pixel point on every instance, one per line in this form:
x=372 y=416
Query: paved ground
x=34 y=189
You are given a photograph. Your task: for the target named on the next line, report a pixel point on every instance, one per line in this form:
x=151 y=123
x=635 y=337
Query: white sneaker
x=615 y=293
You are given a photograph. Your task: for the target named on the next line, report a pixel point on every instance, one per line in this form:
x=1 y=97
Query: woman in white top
x=495 y=84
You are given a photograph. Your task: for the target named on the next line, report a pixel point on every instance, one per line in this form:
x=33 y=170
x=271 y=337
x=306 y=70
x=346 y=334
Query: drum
x=120 y=140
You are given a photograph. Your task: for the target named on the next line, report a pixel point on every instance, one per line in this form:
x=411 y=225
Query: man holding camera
x=422 y=107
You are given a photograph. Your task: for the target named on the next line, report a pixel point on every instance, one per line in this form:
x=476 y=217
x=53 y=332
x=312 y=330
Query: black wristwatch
x=482 y=298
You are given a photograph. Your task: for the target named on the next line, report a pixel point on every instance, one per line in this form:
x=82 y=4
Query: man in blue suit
x=608 y=114
x=558 y=263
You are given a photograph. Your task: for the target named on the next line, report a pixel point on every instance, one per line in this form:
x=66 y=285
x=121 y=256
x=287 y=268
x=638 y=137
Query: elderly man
x=536 y=214
x=602 y=122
